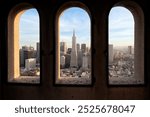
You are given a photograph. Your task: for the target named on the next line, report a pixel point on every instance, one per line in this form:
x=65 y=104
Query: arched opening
x=23 y=45
x=73 y=50
x=126 y=44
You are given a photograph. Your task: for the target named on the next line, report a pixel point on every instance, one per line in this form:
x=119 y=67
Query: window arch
x=71 y=37
x=23 y=37
x=132 y=74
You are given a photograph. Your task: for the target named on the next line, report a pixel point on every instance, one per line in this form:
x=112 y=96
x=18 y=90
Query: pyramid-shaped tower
x=73 y=62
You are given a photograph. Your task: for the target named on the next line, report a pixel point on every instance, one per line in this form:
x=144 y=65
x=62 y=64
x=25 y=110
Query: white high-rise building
x=85 y=61
x=62 y=61
x=73 y=62
x=30 y=63
x=63 y=47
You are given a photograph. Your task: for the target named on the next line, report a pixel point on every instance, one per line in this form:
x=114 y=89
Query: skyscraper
x=67 y=60
x=80 y=58
x=78 y=47
x=73 y=62
x=30 y=63
x=83 y=48
x=63 y=47
x=85 y=61
x=26 y=53
x=62 y=62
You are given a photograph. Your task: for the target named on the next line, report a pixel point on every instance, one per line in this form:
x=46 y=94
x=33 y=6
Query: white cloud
x=121 y=26
x=75 y=19
x=78 y=20
x=29 y=28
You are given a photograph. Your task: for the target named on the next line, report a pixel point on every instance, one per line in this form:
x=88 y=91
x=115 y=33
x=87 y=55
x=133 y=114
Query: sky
x=75 y=19
x=121 y=27
x=29 y=28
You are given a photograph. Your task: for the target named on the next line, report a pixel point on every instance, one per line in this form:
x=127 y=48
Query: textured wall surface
x=99 y=10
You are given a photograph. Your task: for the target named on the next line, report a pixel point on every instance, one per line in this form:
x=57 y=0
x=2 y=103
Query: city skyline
x=74 y=65
x=35 y=48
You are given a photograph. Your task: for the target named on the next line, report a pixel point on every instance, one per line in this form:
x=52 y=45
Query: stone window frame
x=62 y=8
x=139 y=37
x=13 y=62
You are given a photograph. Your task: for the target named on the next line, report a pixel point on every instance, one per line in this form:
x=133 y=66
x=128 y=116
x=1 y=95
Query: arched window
x=126 y=44
x=23 y=45
x=73 y=50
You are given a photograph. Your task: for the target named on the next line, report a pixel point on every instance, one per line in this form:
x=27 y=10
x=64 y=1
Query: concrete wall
x=47 y=90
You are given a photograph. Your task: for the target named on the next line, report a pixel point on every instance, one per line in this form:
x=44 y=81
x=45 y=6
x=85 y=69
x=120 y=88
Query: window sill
x=26 y=79
x=74 y=81
x=124 y=81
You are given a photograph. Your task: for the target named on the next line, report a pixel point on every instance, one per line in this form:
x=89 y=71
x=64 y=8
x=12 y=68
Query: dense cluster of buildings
x=30 y=60
x=121 y=62
x=75 y=61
